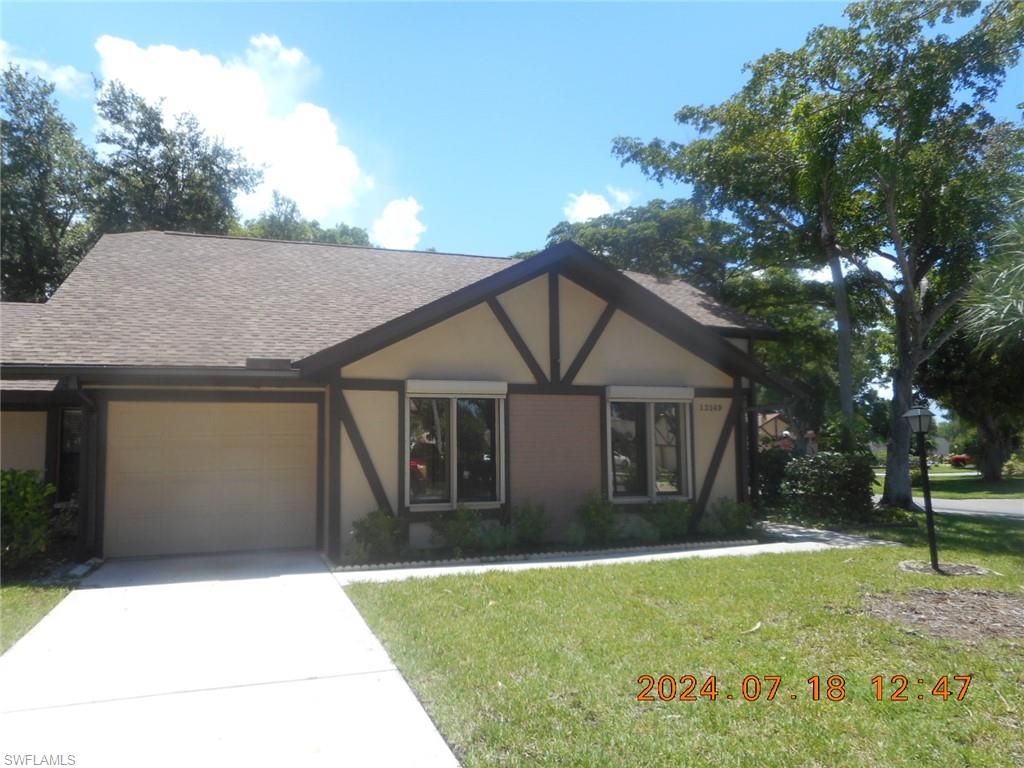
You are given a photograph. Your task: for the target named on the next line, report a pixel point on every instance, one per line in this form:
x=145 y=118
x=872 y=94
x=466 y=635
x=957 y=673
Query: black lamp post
x=920 y=420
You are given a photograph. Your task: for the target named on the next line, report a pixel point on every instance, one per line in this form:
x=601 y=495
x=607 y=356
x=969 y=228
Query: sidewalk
x=797 y=540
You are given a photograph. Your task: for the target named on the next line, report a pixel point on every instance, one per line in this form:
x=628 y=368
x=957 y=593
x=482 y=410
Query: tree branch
x=871 y=274
x=931 y=318
x=942 y=338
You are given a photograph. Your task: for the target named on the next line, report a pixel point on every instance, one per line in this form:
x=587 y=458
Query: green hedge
x=830 y=485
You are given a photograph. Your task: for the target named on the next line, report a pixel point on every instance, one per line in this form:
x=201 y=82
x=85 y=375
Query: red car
x=960 y=460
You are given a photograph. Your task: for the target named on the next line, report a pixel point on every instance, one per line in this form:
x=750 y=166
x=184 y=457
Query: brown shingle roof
x=156 y=299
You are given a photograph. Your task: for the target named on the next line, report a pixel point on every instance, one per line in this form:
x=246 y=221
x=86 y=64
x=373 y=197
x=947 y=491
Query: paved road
x=1008 y=508
x=254 y=660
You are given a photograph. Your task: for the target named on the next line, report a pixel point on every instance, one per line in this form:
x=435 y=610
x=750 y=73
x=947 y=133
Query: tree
x=283 y=221
x=160 y=176
x=871 y=140
x=983 y=387
x=663 y=239
x=43 y=190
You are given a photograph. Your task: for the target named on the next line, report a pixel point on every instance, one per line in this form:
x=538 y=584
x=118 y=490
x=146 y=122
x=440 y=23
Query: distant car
x=960 y=460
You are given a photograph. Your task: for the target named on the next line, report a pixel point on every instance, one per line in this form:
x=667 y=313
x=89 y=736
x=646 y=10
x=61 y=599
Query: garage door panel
x=244 y=477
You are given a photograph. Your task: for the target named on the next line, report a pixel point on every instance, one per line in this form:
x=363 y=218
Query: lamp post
x=920 y=420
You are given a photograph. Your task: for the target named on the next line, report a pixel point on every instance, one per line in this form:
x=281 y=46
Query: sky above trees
x=461 y=127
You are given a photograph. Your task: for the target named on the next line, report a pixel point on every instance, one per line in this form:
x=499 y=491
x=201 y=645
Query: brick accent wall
x=555 y=447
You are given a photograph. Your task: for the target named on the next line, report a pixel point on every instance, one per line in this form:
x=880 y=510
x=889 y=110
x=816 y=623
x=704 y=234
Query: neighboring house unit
x=202 y=393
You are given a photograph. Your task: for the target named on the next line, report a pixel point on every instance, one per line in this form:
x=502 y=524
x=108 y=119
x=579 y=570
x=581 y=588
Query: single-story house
x=206 y=393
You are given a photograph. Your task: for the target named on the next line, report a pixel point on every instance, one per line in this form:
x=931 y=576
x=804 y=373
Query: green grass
x=540 y=667
x=967 y=488
x=21 y=608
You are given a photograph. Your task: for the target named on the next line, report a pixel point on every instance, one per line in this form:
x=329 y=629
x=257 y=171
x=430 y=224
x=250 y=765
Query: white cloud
x=253 y=103
x=399 y=225
x=585 y=206
x=65 y=78
x=590 y=205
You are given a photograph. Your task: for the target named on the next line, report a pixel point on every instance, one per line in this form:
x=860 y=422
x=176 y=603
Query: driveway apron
x=245 y=659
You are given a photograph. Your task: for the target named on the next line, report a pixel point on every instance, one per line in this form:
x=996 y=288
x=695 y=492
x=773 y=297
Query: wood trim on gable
x=589 y=343
x=517 y=340
x=362 y=453
x=728 y=427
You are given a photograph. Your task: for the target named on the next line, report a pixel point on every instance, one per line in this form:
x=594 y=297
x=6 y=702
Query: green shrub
x=916 y=478
x=726 y=517
x=492 y=536
x=830 y=485
x=458 y=531
x=529 y=523
x=1014 y=466
x=670 y=519
x=771 y=471
x=598 y=517
x=380 y=535
x=24 y=499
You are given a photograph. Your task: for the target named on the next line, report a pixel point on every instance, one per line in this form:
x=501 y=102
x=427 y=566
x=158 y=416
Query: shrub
x=771 y=469
x=24 y=499
x=726 y=516
x=380 y=534
x=529 y=522
x=670 y=519
x=916 y=478
x=492 y=536
x=1014 y=466
x=458 y=531
x=830 y=485
x=598 y=518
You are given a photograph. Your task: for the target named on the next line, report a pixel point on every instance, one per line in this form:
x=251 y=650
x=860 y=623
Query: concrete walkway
x=252 y=659
x=797 y=539
x=1007 y=508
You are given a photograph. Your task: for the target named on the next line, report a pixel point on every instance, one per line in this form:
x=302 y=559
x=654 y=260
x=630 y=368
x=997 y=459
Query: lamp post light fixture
x=920 y=421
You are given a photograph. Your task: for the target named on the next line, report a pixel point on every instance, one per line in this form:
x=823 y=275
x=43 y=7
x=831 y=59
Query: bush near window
x=771 y=469
x=492 y=536
x=830 y=485
x=458 y=531
x=25 y=501
x=670 y=519
x=598 y=518
x=380 y=535
x=726 y=517
x=529 y=523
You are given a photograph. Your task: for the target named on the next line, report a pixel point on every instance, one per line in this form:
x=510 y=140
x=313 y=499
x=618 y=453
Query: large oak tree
x=870 y=142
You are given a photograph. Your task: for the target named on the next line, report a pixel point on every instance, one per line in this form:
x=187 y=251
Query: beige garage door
x=209 y=477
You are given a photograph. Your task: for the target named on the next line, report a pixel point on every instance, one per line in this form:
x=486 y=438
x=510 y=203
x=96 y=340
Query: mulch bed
x=947 y=569
x=958 y=614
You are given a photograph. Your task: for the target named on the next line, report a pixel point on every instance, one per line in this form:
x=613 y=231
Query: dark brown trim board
x=506 y=459
x=209 y=395
x=320 y=437
x=53 y=419
x=553 y=389
x=403 y=414
x=376 y=385
x=554 y=327
x=739 y=444
x=334 y=474
x=517 y=340
x=146 y=375
x=716 y=459
x=606 y=491
x=753 y=452
x=362 y=453
x=589 y=343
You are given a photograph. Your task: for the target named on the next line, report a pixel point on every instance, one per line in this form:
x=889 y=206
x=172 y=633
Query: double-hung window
x=454 y=444
x=649 y=443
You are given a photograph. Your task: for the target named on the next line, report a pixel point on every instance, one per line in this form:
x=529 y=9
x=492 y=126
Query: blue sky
x=464 y=127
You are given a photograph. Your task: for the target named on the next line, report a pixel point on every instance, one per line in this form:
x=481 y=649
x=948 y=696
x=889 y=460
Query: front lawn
x=21 y=608
x=960 y=487
x=541 y=667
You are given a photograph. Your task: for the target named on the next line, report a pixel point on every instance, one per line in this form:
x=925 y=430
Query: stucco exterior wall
x=470 y=345
x=23 y=440
x=578 y=309
x=709 y=415
x=376 y=417
x=527 y=307
x=631 y=353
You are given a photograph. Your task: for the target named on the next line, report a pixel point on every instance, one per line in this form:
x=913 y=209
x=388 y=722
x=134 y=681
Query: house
x=204 y=393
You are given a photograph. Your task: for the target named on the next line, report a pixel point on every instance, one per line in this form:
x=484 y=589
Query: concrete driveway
x=251 y=659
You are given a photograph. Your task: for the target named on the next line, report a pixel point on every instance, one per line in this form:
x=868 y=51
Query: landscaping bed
x=541 y=667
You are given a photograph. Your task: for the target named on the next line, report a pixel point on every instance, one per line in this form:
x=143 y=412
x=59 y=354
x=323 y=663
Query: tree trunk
x=845 y=340
x=897 y=492
x=993 y=451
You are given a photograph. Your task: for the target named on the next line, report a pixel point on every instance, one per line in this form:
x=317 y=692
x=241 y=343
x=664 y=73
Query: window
x=648 y=442
x=454 y=445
